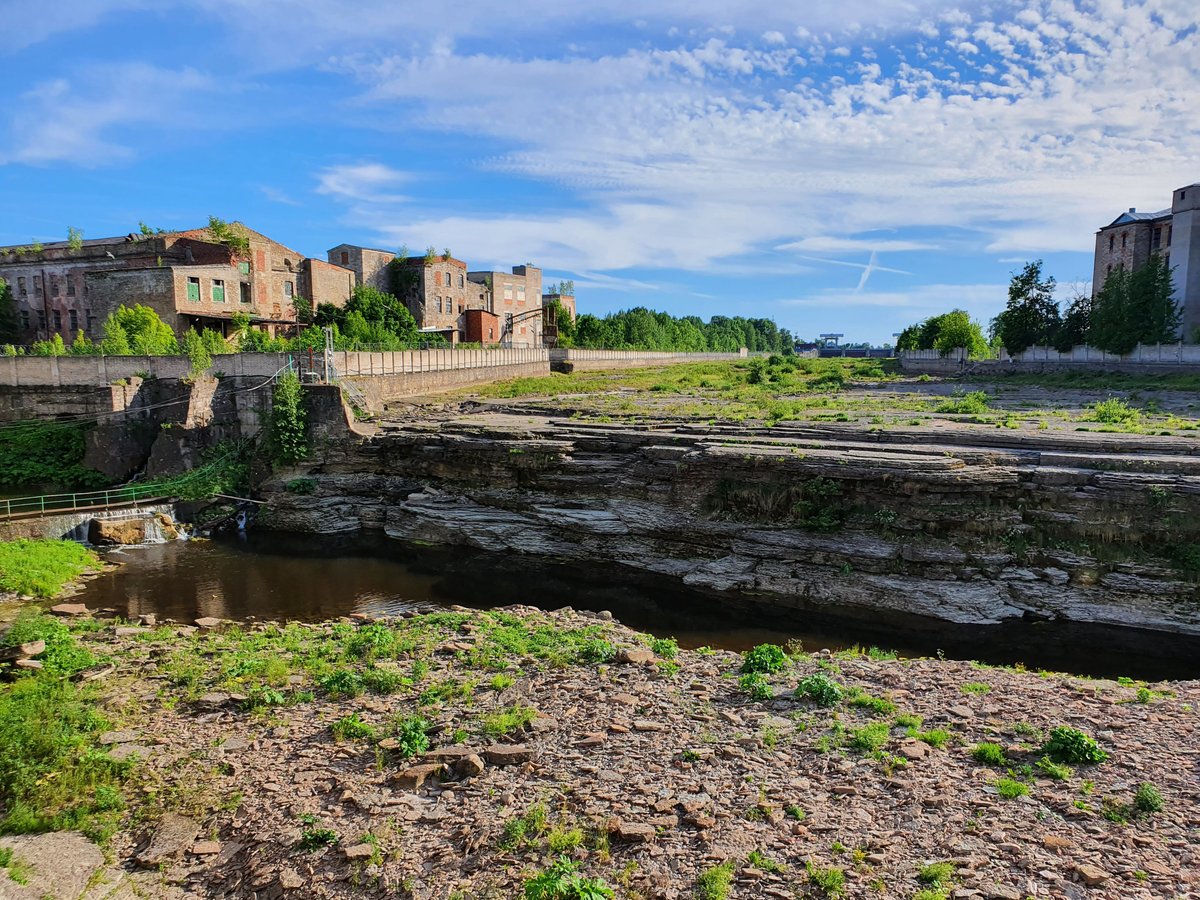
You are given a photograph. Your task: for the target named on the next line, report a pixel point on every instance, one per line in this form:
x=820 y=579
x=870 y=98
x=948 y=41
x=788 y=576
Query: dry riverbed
x=459 y=755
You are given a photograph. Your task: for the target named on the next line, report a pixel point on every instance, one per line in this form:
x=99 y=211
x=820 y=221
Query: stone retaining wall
x=595 y=360
x=380 y=388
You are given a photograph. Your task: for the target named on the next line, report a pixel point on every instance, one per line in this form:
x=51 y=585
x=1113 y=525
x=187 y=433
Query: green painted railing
x=43 y=504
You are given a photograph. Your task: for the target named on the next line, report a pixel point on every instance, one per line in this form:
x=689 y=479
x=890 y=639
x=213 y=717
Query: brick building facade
x=1129 y=241
x=189 y=277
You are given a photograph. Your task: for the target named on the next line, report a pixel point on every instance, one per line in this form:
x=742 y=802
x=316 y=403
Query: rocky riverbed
x=460 y=754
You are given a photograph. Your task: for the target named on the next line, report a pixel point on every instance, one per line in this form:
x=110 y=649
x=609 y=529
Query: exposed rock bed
x=969 y=526
x=667 y=767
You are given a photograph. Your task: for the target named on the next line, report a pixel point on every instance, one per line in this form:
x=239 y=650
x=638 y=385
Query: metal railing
x=80 y=501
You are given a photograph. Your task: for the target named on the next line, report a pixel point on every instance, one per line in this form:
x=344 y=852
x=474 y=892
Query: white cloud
x=982 y=301
x=363 y=181
x=831 y=244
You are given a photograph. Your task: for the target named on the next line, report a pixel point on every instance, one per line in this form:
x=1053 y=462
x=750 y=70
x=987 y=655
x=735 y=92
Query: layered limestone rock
x=1095 y=528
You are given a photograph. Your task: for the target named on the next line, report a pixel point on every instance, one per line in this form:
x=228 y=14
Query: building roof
x=1134 y=216
x=360 y=247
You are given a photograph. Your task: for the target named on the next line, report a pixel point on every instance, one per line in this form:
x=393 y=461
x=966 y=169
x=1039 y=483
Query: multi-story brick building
x=190 y=278
x=1129 y=241
x=516 y=297
x=550 y=323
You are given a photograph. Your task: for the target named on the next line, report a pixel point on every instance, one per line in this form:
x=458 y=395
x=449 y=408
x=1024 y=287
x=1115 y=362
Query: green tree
x=1031 y=316
x=137 y=330
x=231 y=234
x=1134 y=307
x=74 y=238
x=10 y=330
x=944 y=333
x=1076 y=324
x=289 y=420
x=197 y=352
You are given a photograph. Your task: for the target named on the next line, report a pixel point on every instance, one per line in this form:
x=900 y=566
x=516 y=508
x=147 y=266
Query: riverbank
x=459 y=754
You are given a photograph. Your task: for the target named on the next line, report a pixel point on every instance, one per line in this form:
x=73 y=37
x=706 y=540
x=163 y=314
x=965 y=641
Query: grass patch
x=40 y=568
x=989 y=754
x=508 y=721
x=1010 y=788
x=715 y=883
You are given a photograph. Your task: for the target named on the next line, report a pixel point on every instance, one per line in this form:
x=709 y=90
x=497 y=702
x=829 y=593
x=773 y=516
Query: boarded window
x=21 y=286
x=41 y=319
x=244 y=267
x=37 y=284
x=53 y=285
x=25 y=319
x=218 y=292
x=246 y=296
x=57 y=320
x=193 y=290
x=508 y=292
x=345 y=258
x=74 y=320
x=289 y=288
x=520 y=293
x=70 y=286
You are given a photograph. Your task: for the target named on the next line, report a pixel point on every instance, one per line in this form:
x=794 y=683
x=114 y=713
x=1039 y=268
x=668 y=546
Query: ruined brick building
x=1174 y=233
x=490 y=307
x=190 y=278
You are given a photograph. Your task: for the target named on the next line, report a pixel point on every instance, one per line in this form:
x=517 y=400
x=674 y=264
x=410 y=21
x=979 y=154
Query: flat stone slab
x=174 y=836
x=55 y=865
x=508 y=754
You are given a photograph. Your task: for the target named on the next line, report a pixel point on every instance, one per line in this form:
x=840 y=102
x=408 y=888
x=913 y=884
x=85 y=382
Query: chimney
x=1133 y=209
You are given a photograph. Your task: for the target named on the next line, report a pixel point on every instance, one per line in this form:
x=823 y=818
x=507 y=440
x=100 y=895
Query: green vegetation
x=764 y=863
x=765 y=659
x=1010 y=788
x=1133 y=307
x=47 y=456
x=939 y=874
x=820 y=689
x=644 y=329
x=715 y=883
x=412 y=734
x=352 y=728
x=944 y=333
x=1031 y=316
x=314 y=837
x=41 y=568
x=970 y=403
x=507 y=721
x=878 y=706
x=1114 y=411
x=976 y=687
x=54 y=776
x=1070 y=745
x=289 y=420
x=1147 y=799
x=755 y=686
x=989 y=754
x=1057 y=771
x=16 y=870
x=831 y=881
x=525 y=829
x=562 y=881
x=870 y=738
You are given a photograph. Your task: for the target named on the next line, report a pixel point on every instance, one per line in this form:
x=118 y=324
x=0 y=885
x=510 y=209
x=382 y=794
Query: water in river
x=310 y=578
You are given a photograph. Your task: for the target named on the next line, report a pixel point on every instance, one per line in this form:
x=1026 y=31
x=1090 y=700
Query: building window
x=489 y=332
x=345 y=258
x=74 y=320
x=1111 y=240
x=53 y=285
x=439 y=303
x=21 y=286
x=289 y=288
x=245 y=296
x=1124 y=239
x=462 y=280
x=193 y=290
x=520 y=293
x=460 y=308
x=218 y=292
x=70 y=286
x=25 y=319
x=42 y=319
x=244 y=267
x=37 y=284
x=508 y=292
x=57 y=320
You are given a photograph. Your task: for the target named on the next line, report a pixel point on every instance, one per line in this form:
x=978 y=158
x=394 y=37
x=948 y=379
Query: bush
x=352 y=728
x=289 y=421
x=342 y=683
x=764 y=659
x=597 y=651
x=1147 y=799
x=1072 y=746
x=1010 y=788
x=870 y=738
x=820 y=689
x=715 y=883
x=972 y=403
x=755 y=686
x=411 y=733
x=831 y=881
x=1114 y=412
x=937 y=874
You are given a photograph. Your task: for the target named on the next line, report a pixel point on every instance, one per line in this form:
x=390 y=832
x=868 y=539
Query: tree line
x=644 y=329
x=1131 y=307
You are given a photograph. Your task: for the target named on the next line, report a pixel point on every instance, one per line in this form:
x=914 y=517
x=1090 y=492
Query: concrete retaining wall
x=380 y=388
x=595 y=360
x=1150 y=359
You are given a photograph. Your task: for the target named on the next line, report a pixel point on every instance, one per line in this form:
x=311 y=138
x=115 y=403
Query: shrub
x=597 y=651
x=936 y=874
x=1147 y=799
x=755 y=686
x=764 y=659
x=562 y=881
x=289 y=421
x=1070 y=745
x=989 y=754
x=820 y=689
x=715 y=883
x=507 y=721
x=1114 y=411
x=342 y=683
x=937 y=738
x=314 y=838
x=871 y=737
x=667 y=648
x=300 y=486
x=972 y=403
x=878 y=706
x=1057 y=771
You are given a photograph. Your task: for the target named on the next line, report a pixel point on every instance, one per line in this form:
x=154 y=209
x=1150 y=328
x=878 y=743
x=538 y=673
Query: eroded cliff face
x=954 y=526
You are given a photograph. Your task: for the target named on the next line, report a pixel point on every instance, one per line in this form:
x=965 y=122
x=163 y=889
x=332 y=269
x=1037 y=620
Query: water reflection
x=308 y=578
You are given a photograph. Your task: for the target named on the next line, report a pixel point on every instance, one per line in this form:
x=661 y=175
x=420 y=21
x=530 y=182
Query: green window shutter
x=244 y=268
x=193 y=290
x=218 y=292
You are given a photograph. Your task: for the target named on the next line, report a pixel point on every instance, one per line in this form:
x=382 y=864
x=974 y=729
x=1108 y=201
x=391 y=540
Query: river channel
x=266 y=576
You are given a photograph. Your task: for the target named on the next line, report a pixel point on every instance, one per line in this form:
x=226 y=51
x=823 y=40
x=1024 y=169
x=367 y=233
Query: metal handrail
x=79 y=500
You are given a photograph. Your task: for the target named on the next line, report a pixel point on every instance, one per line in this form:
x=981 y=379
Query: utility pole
x=328 y=354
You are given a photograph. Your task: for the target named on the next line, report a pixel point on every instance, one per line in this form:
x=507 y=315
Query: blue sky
x=849 y=167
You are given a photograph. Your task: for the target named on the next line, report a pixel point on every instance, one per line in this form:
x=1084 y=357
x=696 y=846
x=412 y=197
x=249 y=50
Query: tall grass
x=40 y=568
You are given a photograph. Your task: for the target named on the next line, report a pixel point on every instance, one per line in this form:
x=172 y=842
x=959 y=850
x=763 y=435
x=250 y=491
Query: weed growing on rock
x=820 y=689
x=971 y=403
x=764 y=863
x=560 y=839
x=715 y=883
x=1010 y=788
x=989 y=754
x=1070 y=745
x=562 y=881
x=870 y=738
x=352 y=728
x=1057 y=771
x=343 y=683
x=939 y=874
x=975 y=687
x=667 y=648
x=765 y=659
x=937 y=738
x=796 y=812
x=597 y=651
x=507 y=721
x=831 y=881
x=410 y=734
x=17 y=870
x=525 y=829
x=879 y=706
x=501 y=682
x=314 y=838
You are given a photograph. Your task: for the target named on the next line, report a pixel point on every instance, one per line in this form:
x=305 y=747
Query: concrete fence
x=563 y=360
x=1144 y=358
